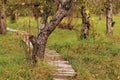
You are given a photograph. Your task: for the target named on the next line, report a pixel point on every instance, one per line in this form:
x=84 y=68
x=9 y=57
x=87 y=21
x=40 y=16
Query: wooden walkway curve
x=63 y=70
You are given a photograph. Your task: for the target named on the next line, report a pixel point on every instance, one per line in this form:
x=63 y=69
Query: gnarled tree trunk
x=3 y=21
x=109 y=20
x=46 y=29
x=85 y=23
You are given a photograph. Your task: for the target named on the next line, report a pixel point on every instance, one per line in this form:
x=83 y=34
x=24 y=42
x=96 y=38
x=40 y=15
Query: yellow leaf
x=23 y=4
x=41 y=11
x=92 y=19
x=118 y=77
x=41 y=7
x=87 y=12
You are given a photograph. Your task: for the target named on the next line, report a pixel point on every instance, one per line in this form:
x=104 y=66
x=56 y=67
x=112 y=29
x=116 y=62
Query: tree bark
x=46 y=29
x=12 y=16
x=85 y=23
x=3 y=21
x=109 y=20
x=100 y=16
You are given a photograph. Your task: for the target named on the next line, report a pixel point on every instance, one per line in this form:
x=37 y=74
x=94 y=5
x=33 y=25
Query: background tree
x=85 y=18
x=3 y=24
x=85 y=22
x=116 y=6
x=97 y=7
x=109 y=19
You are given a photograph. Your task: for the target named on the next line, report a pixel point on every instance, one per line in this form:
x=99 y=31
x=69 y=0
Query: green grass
x=14 y=63
x=93 y=59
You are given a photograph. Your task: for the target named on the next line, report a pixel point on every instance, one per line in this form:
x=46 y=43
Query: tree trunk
x=38 y=46
x=3 y=21
x=100 y=16
x=109 y=20
x=85 y=23
x=46 y=29
x=12 y=16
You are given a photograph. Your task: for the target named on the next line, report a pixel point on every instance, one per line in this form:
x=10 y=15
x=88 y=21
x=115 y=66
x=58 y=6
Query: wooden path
x=63 y=70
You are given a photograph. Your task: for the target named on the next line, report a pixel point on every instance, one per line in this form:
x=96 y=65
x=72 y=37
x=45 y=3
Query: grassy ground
x=14 y=61
x=96 y=58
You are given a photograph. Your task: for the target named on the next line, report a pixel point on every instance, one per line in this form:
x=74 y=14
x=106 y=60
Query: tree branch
x=44 y=19
x=64 y=9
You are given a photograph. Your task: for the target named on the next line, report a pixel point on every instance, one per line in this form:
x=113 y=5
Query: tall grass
x=92 y=60
x=14 y=64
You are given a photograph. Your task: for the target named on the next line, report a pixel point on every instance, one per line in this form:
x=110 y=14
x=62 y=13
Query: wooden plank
x=64 y=70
